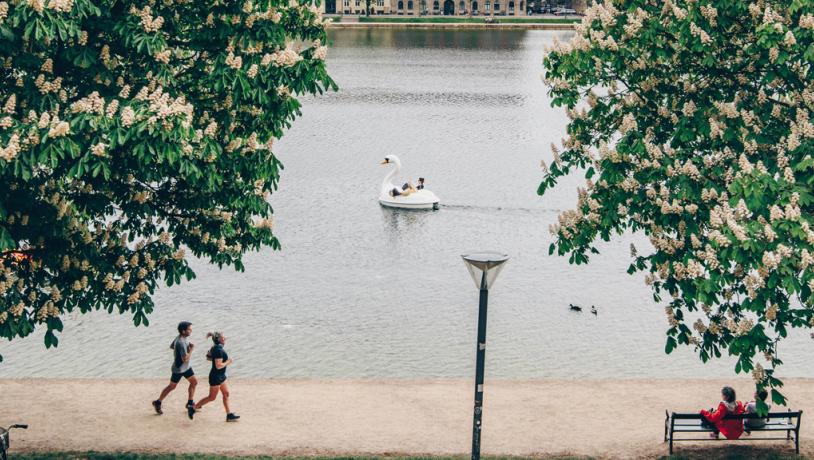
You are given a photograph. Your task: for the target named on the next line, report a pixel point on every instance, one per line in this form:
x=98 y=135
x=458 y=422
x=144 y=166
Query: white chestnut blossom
x=148 y=22
x=145 y=112
x=62 y=6
x=710 y=161
x=99 y=149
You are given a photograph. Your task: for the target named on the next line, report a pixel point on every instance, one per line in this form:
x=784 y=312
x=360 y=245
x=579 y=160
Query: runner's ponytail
x=216 y=340
x=215 y=337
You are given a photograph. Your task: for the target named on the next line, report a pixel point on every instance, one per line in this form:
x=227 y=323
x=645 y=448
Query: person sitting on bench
x=731 y=429
x=751 y=408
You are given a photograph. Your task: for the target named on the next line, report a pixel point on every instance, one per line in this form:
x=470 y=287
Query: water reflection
x=423 y=39
x=423 y=98
x=399 y=223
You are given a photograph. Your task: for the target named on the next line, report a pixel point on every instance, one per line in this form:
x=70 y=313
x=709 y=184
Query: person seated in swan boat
x=408 y=188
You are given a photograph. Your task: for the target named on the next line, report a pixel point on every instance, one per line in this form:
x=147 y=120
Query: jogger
x=217 y=378
x=181 y=366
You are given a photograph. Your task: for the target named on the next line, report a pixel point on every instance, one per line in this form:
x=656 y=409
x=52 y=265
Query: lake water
x=359 y=291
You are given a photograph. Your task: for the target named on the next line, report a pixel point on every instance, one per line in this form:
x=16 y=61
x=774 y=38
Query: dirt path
x=603 y=418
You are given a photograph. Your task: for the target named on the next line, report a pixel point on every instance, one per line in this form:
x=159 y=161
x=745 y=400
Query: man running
x=182 y=351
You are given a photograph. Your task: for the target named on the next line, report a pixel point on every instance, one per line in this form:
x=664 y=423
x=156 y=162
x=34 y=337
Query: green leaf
x=6 y=240
x=51 y=340
x=762 y=408
x=778 y=398
x=670 y=346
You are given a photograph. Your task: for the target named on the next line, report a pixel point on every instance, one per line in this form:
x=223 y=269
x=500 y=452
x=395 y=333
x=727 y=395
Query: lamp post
x=484 y=268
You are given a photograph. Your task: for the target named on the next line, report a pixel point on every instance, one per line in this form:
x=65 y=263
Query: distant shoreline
x=450 y=25
x=452 y=22
x=606 y=418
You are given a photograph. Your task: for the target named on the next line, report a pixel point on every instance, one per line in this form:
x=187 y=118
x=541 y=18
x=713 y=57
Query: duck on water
x=573 y=307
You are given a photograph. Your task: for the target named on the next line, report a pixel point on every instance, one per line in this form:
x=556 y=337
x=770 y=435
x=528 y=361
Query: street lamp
x=484 y=268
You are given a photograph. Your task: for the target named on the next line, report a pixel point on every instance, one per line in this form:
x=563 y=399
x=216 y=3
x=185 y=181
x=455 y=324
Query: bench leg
x=671 y=432
x=797 y=442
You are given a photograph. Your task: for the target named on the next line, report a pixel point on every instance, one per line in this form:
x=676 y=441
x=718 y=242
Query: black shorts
x=215 y=380
x=176 y=377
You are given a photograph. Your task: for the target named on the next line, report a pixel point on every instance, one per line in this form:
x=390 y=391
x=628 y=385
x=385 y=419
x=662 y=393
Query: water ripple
x=390 y=97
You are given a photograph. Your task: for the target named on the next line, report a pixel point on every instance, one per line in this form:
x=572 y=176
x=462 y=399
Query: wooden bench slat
x=698 y=423
x=678 y=429
x=699 y=429
x=697 y=416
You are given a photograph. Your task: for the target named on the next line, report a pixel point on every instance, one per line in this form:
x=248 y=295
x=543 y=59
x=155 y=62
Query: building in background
x=428 y=7
x=452 y=7
x=580 y=6
x=355 y=6
x=557 y=6
x=459 y=7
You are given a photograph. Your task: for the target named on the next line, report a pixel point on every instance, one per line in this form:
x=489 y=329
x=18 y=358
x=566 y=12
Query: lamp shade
x=484 y=266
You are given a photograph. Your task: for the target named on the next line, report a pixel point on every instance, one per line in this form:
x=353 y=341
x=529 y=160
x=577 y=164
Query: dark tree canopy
x=133 y=133
x=691 y=122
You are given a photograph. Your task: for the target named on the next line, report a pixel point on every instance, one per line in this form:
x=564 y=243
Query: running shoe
x=230 y=417
x=191 y=411
x=157 y=406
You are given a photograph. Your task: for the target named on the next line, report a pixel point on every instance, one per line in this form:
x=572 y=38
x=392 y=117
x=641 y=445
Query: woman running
x=217 y=377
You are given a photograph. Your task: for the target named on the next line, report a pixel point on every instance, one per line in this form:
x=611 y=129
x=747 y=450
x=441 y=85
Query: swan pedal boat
x=419 y=199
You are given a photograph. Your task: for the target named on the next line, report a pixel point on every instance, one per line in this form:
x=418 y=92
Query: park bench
x=776 y=423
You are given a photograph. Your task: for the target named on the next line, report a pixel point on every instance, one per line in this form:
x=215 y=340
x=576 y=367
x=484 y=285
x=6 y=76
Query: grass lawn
x=738 y=456
x=467 y=20
x=725 y=451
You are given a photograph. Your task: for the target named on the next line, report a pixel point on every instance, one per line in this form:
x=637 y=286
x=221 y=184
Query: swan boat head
x=392 y=160
x=387 y=183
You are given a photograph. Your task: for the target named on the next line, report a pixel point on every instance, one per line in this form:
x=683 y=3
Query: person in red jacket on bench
x=731 y=429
